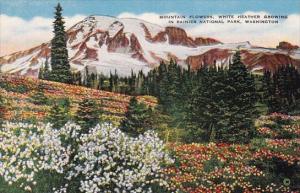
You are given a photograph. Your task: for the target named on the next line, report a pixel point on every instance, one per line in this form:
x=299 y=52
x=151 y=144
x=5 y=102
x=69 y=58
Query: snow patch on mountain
x=108 y=44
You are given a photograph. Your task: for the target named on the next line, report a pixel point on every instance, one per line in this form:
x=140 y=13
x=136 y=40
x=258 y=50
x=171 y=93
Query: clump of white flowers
x=106 y=159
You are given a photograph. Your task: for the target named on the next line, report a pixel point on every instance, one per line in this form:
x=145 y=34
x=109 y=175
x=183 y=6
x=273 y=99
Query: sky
x=28 y=23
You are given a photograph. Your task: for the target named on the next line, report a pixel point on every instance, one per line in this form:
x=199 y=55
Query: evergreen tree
x=174 y=84
x=282 y=89
x=269 y=90
x=59 y=113
x=41 y=72
x=61 y=70
x=163 y=88
x=2 y=109
x=88 y=114
x=207 y=106
x=240 y=95
x=77 y=78
x=38 y=97
x=145 y=87
x=44 y=70
x=137 y=118
x=139 y=83
x=111 y=83
x=222 y=104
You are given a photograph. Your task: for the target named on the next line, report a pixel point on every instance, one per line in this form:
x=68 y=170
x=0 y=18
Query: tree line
x=212 y=103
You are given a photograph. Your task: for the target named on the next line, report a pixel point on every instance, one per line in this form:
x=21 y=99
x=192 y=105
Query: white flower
x=109 y=160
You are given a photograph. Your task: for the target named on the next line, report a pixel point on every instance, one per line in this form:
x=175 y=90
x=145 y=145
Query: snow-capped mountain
x=106 y=44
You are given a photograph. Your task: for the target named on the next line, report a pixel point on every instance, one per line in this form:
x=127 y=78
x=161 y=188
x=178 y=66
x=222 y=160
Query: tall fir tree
x=282 y=89
x=41 y=72
x=137 y=118
x=207 y=106
x=241 y=98
x=163 y=82
x=174 y=84
x=268 y=92
x=61 y=70
x=44 y=70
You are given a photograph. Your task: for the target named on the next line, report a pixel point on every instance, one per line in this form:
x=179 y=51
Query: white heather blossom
x=26 y=149
x=114 y=162
x=108 y=160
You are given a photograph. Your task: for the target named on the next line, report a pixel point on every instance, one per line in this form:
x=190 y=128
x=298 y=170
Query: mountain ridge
x=106 y=44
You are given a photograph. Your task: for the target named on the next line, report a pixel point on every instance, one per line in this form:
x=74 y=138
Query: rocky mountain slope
x=106 y=44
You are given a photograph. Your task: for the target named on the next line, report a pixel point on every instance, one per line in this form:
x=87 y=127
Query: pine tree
x=283 y=94
x=88 y=114
x=2 y=109
x=59 y=114
x=270 y=92
x=206 y=107
x=174 y=84
x=137 y=118
x=111 y=83
x=132 y=83
x=61 y=70
x=41 y=72
x=240 y=95
x=38 y=97
x=139 y=83
x=44 y=70
x=195 y=107
x=163 y=86
x=77 y=78
x=222 y=104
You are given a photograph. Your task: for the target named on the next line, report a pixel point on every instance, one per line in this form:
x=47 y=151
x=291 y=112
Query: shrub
x=14 y=88
x=38 y=158
x=88 y=114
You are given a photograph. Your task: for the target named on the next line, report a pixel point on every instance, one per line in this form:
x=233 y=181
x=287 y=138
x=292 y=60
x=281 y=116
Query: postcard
x=149 y=96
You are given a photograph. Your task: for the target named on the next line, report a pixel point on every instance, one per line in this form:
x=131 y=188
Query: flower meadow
x=19 y=90
x=270 y=163
x=104 y=160
x=37 y=157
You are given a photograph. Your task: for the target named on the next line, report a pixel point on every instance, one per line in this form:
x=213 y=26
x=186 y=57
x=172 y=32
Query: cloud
x=149 y=17
x=19 y=34
x=258 y=34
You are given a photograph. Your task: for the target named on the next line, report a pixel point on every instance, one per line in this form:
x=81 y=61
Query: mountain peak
x=106 y=44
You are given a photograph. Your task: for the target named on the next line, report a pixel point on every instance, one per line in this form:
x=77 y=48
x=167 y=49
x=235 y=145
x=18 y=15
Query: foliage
x=18 y=88
x=222 y=104
x=240 y=99
x=59 y=113
x=107 y=159
x=38 y=97
x=261 y=166
x=116 y=162
x=88 y=114
x=2 y=108
x=22 y=109
x=44 y=71
x=137 y=118
x=282 y=89
x=27 y=149
x=60 y=67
